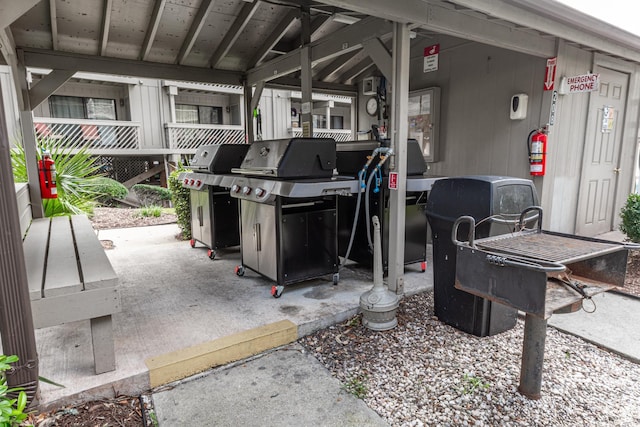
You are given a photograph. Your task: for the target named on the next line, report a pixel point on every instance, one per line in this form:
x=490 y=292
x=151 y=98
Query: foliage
x=75 y=177
x=181 y=201
x=471 y=384
x=630 y=215
x=356 y=385
x=11 y=409
x=110 y=191
x=154 y=211
x=150 y=195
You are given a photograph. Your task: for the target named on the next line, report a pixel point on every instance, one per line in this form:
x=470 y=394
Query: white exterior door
x=601 y=161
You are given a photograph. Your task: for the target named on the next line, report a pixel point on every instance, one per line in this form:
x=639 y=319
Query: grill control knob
x=186 y=181
x=191 y=181
x=198 y=183
x=260 y=192
x=246 y=190
x=235 y=188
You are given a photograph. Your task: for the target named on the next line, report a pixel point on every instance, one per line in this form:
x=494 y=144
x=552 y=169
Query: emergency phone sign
x=393 y=180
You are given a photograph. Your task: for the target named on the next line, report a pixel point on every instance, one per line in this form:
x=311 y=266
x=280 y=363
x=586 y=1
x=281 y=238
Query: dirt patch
x=105 y=218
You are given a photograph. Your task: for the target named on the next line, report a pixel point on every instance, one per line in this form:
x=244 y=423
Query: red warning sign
x=393 y=180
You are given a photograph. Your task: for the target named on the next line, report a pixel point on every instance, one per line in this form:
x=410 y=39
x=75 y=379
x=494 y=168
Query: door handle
x=257 y=237
x=200 y=215
x=616 y=170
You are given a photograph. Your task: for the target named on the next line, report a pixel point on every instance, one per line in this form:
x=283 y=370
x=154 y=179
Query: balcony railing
x=94 y=135
x=186 y=138
x=340 y=135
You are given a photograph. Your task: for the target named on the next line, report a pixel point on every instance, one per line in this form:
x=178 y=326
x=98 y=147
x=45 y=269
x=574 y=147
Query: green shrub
x=11 y=409
x=154 y=211
x=151 y=195
x=76 y=176
x=180 y=197
x=630 y=214
x=110 y=191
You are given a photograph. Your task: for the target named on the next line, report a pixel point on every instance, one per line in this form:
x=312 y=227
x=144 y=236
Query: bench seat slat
x=97 y=271
x=62 y=276
x=35 y=247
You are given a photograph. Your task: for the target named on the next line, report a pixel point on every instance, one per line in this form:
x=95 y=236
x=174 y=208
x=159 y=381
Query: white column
x=399 y=133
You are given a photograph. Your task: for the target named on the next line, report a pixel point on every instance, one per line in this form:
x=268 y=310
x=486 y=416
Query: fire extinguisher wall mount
x=537 y=149
x=47 y=173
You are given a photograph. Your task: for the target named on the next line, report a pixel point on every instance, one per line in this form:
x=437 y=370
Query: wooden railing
x=186 y=138
x=340 y=135
x=90 y=134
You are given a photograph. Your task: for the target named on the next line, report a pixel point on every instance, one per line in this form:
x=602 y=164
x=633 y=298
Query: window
x=75 y=107
x=424 y=112
x=201 y=114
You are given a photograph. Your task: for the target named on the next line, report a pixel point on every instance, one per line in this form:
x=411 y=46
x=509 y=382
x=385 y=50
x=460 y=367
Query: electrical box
x=518 y=110
x=370 y=86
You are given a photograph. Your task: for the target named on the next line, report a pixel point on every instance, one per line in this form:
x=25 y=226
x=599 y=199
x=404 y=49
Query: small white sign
x=582 y=83
x=431 y=54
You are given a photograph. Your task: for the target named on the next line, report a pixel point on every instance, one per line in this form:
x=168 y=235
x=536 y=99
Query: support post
x=535 y=334
x=399 y=133
x=248 y=114
x=306 y=117
x=16 y=322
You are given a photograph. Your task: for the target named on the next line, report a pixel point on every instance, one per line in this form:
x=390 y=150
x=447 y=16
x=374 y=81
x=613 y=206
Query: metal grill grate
x=547 y=247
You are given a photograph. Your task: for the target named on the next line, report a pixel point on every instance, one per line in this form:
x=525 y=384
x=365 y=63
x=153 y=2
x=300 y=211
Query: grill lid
x=290 y=158
x=219 y=158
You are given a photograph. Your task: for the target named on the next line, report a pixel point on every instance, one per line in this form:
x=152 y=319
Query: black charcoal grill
x=351 y=156
x=214 y=213
x=540 y=273
x=288 y=204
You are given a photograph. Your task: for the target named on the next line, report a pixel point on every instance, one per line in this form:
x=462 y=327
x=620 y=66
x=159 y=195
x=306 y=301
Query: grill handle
x=537 y=265
x=522 y=220
x=472 y=231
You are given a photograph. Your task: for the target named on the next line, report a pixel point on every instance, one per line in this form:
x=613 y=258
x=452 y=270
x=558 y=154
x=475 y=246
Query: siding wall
x=24 y=206
x=149 y=106
x=560 y=187
x=8 y=93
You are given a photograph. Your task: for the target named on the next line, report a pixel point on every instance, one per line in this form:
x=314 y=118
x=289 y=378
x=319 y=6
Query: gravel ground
x=424 y=372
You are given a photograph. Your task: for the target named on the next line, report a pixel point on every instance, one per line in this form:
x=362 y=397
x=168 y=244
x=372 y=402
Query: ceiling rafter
x=53 y=17
x=58 y=60
x=347 y=39
x=280 y=29
x=316 y=24
x=106 y=22
x=247 y=11
x=152 y=29
x=194 y=30
x=335 y=65
x=356 y=70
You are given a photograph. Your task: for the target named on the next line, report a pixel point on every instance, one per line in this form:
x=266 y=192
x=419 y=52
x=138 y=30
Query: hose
x=355 y=219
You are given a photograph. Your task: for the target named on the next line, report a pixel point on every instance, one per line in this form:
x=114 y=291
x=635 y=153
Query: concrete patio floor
x=175 y=297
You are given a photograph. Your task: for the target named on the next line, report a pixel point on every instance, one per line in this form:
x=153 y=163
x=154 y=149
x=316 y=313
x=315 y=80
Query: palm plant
x=76 y=174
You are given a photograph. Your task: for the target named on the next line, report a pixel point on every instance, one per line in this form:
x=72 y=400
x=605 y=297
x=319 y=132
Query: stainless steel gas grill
x=541 y=273
x=351 y=156
x=214 y=213
x=288 y=216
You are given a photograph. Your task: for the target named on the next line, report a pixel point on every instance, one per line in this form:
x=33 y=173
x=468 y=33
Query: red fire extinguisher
x=47 y=169
x=537 y=148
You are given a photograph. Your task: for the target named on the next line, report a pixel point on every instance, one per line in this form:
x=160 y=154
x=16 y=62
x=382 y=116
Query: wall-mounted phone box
x=518 y=108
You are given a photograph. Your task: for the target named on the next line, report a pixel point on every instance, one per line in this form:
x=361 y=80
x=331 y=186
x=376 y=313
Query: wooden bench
x=71 y=279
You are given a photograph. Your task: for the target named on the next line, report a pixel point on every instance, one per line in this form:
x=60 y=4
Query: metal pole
x=16 y=323
x=535 y=334
x=399 y=133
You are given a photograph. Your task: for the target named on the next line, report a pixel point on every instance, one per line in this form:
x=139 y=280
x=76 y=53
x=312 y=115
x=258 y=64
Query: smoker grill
x=541 y=273
x=288 y=205
x=214 y=213
x=351 y=157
